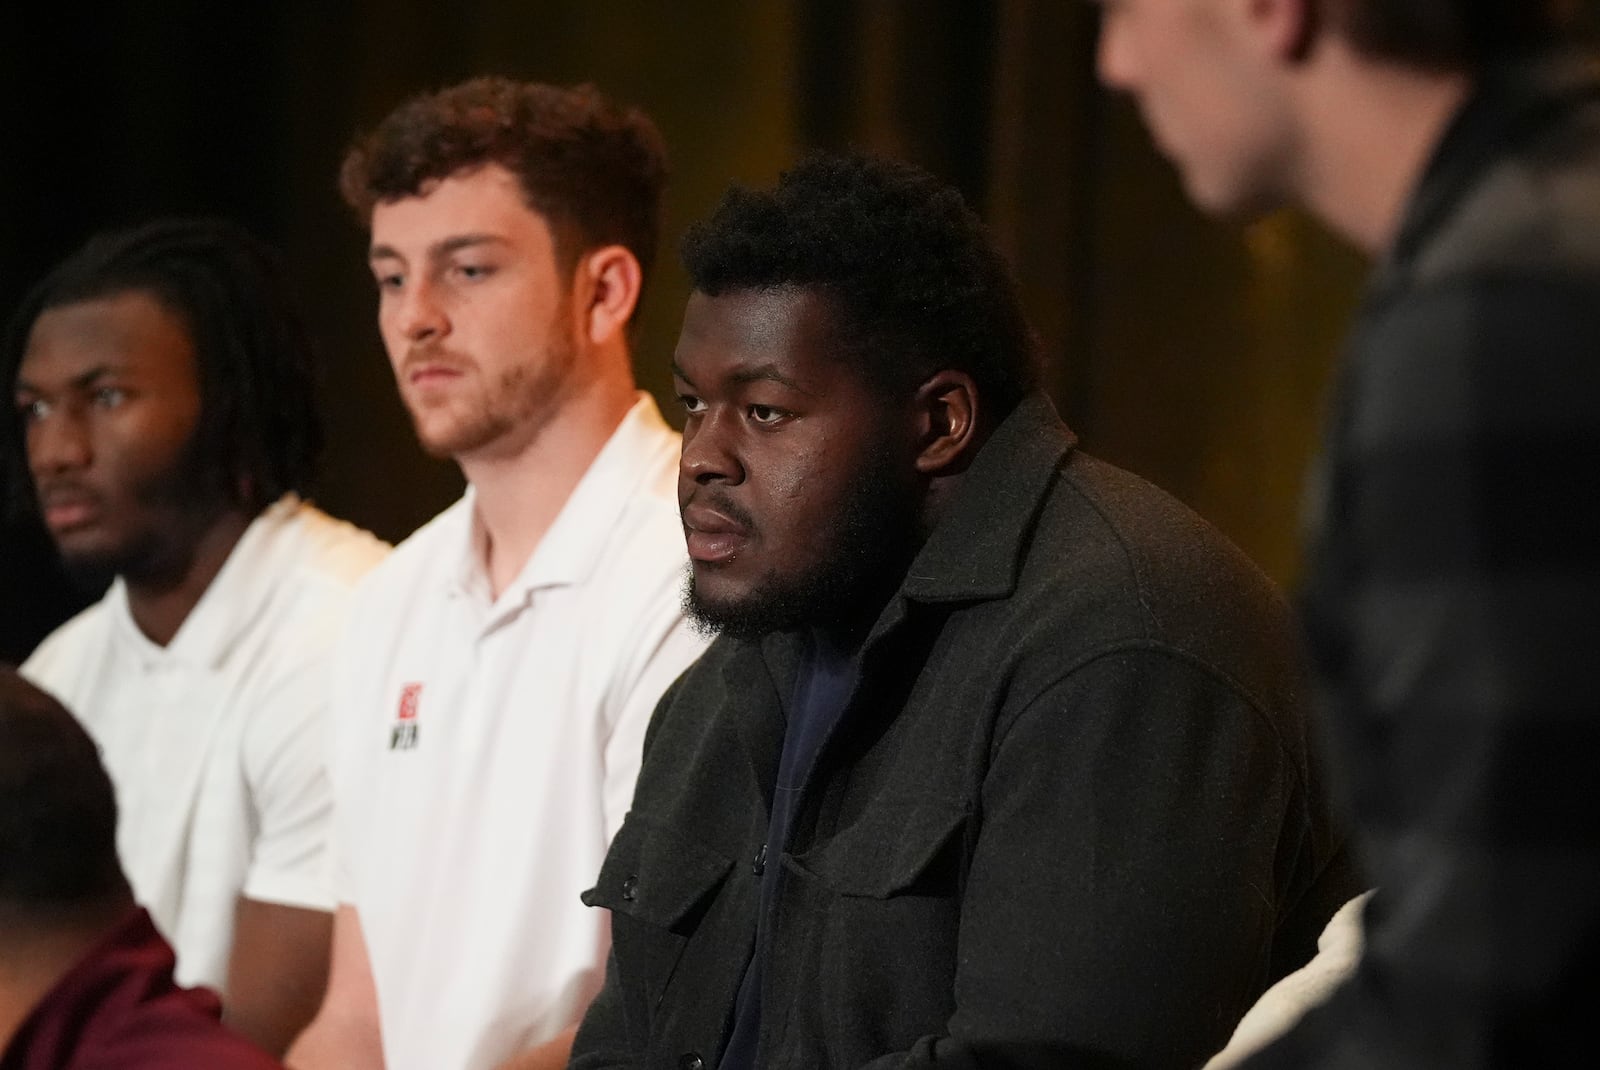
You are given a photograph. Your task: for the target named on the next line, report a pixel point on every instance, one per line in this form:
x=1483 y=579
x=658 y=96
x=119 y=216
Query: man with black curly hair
x=998 y=755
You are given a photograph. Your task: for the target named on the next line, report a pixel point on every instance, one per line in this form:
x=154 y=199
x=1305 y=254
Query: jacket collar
x=1509 y=103
x=976 y=548
x=973 y=554
x=240 y=592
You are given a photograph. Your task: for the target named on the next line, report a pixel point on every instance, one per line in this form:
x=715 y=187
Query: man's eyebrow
x=77 y=382
x=761 y=373
x=95 y=374
x=767 y=373
x=464 y=241
x=443 y=248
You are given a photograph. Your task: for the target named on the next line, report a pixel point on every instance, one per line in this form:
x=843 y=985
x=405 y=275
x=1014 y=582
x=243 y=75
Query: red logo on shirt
x=403 y=736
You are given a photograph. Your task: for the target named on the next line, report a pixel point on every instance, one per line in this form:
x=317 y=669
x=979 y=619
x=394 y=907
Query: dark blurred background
x=1191 y=352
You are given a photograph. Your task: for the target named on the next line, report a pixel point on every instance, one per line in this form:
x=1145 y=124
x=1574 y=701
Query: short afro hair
x=259 y=429
x=593 y=170
x=58 y=815
x=910 y=272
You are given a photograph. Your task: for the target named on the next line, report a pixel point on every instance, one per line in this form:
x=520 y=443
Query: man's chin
x=446 y=439
x=91 y=563
x=91 y=570
x=1237 y=198
x=743 y=617
x=811 y=601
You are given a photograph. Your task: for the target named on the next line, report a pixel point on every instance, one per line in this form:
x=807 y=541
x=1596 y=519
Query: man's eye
x=474 y=271
x=390 y=282
x=766 y=414
x=32 y=411
x=109 y=397
x=691 y=404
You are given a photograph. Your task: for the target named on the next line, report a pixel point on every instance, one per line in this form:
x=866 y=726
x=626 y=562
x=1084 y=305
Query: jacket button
x=690 y=1061
x=759 y=866
x=630 y=887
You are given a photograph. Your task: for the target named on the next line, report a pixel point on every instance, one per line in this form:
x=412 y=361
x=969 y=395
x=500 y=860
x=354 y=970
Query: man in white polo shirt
x=503 y=664
x=163 y=406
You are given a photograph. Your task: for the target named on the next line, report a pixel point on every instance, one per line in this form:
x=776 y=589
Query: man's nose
x=708 y=456
x=58 y=442
x=421 y=316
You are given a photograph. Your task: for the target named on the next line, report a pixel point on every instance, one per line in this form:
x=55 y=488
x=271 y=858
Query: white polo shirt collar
x=570 y=551
x=225 y=610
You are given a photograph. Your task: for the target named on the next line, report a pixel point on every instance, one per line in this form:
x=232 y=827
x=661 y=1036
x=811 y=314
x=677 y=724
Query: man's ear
x=947 y=422
x=606 y=288
x=1286 y=29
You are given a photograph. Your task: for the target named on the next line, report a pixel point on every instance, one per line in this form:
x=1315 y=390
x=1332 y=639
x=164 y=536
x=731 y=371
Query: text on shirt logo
x=403 y=736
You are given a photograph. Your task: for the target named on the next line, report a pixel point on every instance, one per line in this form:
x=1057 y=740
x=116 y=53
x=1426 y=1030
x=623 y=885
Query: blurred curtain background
x=1192 y=352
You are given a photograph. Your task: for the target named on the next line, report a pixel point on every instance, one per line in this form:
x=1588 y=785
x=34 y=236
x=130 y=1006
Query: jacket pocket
x=656 y=875
x=657 y=883
x=891 y=850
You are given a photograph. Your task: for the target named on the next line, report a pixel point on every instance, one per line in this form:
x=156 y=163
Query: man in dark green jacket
x=999 y=756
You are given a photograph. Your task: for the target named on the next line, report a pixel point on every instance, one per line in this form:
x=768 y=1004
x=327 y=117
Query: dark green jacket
x=1067 y=819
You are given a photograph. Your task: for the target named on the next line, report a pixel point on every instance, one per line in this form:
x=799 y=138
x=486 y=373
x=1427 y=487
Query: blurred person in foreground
x=85 y=980
x=1452 y=594
x=164 y=409
x=501 y=667
x=998 y=756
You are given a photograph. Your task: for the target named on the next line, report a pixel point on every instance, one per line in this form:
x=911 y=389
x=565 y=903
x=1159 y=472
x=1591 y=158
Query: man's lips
x=432 y=367
x=65 y=510
x=714 y=538
x=432 y=373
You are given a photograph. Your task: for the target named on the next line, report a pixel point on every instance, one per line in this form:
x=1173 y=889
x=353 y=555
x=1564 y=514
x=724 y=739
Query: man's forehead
x=118 y=328
x=484 y=201
x=783 y=335
x=762 y=319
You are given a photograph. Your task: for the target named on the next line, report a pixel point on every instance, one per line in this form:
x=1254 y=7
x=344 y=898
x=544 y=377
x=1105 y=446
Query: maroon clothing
x=119 y=1009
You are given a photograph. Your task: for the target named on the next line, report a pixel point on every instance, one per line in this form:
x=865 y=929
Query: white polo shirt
x=215 y=743
x=487 y=751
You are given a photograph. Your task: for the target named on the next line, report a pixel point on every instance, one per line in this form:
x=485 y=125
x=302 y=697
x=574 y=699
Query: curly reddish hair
x=594 y=170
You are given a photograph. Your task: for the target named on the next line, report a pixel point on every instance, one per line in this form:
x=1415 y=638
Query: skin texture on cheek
x=518 y=400
x=156 y=519
x=836 y=573
x=789 y=484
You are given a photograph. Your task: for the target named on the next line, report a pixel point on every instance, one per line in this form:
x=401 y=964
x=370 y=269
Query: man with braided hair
x=164 y=413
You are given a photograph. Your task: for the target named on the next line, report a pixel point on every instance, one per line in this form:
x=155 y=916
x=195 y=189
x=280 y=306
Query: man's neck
x=520 y=494
x=161 y=602
x=35 y=957
x=1372 y=129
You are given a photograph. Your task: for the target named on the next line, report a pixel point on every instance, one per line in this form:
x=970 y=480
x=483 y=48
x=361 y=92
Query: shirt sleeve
x=661 y=647
x=286 y=764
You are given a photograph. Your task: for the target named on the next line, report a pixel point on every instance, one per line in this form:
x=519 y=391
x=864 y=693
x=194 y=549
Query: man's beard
x=180 y=504
x=871 y=547
x=519 y=400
